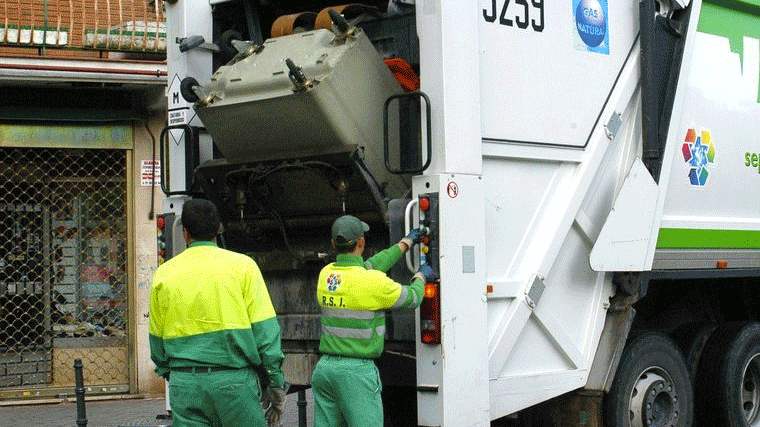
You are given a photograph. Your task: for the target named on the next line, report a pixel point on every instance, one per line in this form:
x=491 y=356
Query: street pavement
x=131 y=412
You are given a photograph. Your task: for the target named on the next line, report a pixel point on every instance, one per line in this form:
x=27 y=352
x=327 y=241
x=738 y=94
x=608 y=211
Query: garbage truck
x=587 y=170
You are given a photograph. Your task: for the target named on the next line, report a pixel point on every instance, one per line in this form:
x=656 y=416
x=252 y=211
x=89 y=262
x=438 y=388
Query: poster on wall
x=150 y=173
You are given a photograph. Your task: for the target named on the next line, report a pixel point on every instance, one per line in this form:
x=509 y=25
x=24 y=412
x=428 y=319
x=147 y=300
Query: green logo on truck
x=740 y=25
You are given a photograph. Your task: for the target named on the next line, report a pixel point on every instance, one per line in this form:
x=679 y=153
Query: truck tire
x=692 y=339
x=651 y=386
x=728 y=378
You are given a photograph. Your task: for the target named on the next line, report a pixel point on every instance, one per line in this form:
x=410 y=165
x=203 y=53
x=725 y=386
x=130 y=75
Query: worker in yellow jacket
x=212 y=326
x=354 y=295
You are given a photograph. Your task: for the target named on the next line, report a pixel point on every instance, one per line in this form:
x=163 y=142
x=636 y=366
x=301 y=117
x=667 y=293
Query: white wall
x=145 y=258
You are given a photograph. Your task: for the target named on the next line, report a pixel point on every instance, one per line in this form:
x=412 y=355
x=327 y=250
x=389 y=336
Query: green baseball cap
x=348 y=228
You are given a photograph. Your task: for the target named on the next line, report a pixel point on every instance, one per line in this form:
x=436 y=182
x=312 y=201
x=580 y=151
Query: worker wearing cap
x=354 y=295
x=212 y=326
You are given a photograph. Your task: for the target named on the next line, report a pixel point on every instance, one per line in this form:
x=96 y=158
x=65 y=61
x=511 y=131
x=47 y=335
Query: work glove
x=415 y=236
x=274 y=402
x=426 y=274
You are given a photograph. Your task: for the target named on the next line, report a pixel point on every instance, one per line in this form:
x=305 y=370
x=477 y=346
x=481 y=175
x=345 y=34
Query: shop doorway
x=63 y=270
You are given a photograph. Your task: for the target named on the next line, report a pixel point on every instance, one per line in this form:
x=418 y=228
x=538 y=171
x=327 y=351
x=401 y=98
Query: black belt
x=202 y=369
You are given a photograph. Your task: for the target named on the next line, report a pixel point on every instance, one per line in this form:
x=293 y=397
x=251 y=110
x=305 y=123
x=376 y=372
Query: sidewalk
x=115 y=413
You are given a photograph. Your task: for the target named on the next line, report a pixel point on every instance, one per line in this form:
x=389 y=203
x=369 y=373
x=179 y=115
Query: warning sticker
x=452 y=189
x=177 y=117
x=150 y=173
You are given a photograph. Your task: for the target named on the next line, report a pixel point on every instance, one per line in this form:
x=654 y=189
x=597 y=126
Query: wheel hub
x=654 y=400
x=750 y=392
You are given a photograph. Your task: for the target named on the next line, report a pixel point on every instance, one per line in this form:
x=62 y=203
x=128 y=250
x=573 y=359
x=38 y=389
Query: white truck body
x=544 y=193
x=550 y=175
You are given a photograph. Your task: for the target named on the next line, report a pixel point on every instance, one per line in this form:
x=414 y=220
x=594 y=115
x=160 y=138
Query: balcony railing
x=76 y=27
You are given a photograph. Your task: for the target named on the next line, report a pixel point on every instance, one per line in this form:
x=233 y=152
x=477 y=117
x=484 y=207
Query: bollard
x=79 y=390
x=302 y=408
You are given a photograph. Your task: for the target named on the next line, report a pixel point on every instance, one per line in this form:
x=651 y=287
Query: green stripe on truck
x=683 y=238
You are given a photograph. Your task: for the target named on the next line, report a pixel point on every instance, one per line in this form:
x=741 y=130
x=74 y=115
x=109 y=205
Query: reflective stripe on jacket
x=210 y=307
x=353 y=300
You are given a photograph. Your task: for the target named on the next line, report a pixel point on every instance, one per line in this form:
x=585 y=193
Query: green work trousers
x=216 y=399
x=347 y=393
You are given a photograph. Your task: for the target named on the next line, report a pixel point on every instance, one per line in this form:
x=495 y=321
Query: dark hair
x=201 y=219
x=344 y=247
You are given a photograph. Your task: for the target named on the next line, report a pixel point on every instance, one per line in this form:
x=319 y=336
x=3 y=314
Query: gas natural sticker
x=591 y=26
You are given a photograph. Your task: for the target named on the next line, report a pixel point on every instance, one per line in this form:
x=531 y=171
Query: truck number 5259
x=521 y=16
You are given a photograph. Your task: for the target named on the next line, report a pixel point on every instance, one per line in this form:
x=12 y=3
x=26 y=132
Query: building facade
x=83 y=104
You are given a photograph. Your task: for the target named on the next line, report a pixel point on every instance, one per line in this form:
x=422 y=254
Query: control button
x=424 y=204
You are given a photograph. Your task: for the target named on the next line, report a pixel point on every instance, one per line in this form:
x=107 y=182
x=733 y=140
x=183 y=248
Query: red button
x=424 y=204
x=160 y=222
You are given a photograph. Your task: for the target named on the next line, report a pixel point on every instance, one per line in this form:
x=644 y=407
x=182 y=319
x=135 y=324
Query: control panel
x=429 y=250
x=430 y=309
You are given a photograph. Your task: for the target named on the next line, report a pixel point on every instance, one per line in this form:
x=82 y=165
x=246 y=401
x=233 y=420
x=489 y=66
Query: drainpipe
x=44 y=29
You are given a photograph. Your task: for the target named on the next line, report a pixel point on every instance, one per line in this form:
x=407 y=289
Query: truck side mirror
x=406 y=156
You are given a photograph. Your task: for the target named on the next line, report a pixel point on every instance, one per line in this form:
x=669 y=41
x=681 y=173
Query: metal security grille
x=63 y=275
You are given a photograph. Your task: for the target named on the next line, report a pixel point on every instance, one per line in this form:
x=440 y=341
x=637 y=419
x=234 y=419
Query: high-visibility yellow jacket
x=354 y=296
x=210 y=307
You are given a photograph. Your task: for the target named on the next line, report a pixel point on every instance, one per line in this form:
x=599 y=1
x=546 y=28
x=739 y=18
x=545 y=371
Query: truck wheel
x=728 y=379
x=651 y=387
x=692 y=339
